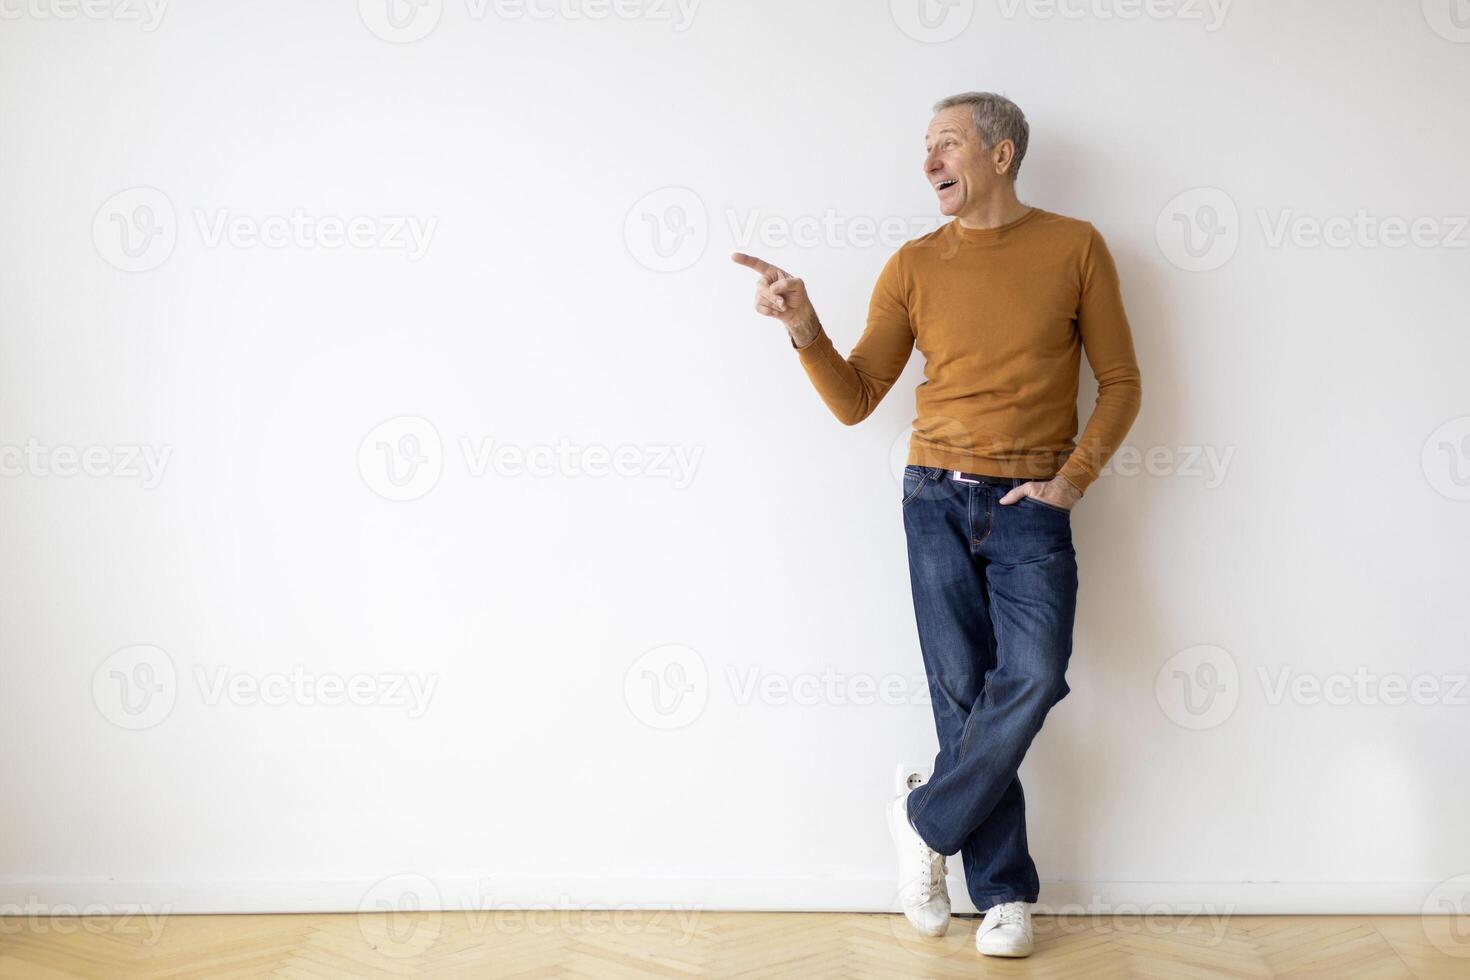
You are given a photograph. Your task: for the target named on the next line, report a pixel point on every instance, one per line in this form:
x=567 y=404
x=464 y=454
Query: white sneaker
x=1005 y=930
x=921 y=888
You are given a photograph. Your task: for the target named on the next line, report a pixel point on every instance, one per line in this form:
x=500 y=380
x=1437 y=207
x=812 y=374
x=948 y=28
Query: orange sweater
x=1002 y=316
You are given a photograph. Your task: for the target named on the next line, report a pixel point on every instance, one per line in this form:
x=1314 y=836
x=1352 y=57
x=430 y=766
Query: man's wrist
x=1070 y=487
x=805 y=333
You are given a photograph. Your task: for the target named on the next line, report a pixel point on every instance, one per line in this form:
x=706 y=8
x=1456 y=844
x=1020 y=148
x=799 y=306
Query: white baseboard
x=64 y=896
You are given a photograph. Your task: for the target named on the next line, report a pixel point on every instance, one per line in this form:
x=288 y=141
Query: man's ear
x=1005 y=154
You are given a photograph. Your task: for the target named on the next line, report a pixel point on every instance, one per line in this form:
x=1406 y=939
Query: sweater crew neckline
x=985 y=235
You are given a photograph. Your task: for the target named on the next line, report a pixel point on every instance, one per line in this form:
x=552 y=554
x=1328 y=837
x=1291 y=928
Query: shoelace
x=935 y=869
x=1011 y=914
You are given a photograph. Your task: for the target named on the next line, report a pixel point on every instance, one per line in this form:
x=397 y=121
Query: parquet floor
x=610 y=944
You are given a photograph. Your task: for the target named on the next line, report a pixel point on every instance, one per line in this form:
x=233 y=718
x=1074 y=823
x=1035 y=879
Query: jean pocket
x=915 y=478
x=1052 y=507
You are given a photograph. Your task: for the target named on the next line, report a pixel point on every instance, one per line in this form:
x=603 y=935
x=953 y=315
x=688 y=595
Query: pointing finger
x=768 y=272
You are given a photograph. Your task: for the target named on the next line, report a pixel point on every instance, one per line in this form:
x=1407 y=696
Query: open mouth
x=945 y=185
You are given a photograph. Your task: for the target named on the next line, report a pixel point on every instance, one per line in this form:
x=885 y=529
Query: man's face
x=959 y=168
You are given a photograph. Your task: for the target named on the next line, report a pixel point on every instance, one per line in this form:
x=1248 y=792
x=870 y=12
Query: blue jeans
x=995 y=593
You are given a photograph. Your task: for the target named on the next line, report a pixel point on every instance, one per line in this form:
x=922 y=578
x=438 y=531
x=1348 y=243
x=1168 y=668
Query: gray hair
x=996 y=118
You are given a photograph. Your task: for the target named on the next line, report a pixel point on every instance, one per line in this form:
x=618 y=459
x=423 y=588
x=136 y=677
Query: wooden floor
x=624 y=943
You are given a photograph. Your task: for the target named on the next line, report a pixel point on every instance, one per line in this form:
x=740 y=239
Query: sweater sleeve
x=853 y=386
x=1108 y=343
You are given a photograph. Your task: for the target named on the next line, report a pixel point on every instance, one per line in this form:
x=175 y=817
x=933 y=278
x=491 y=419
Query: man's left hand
x=1058 y=491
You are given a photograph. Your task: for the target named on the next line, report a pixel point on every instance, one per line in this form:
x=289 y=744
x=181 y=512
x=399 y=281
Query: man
x=1002 y=301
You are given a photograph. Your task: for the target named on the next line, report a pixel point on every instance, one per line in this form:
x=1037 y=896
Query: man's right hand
x=781 y=295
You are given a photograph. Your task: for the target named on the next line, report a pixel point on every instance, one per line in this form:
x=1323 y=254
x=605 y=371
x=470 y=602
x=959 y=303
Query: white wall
x=1329 y=539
